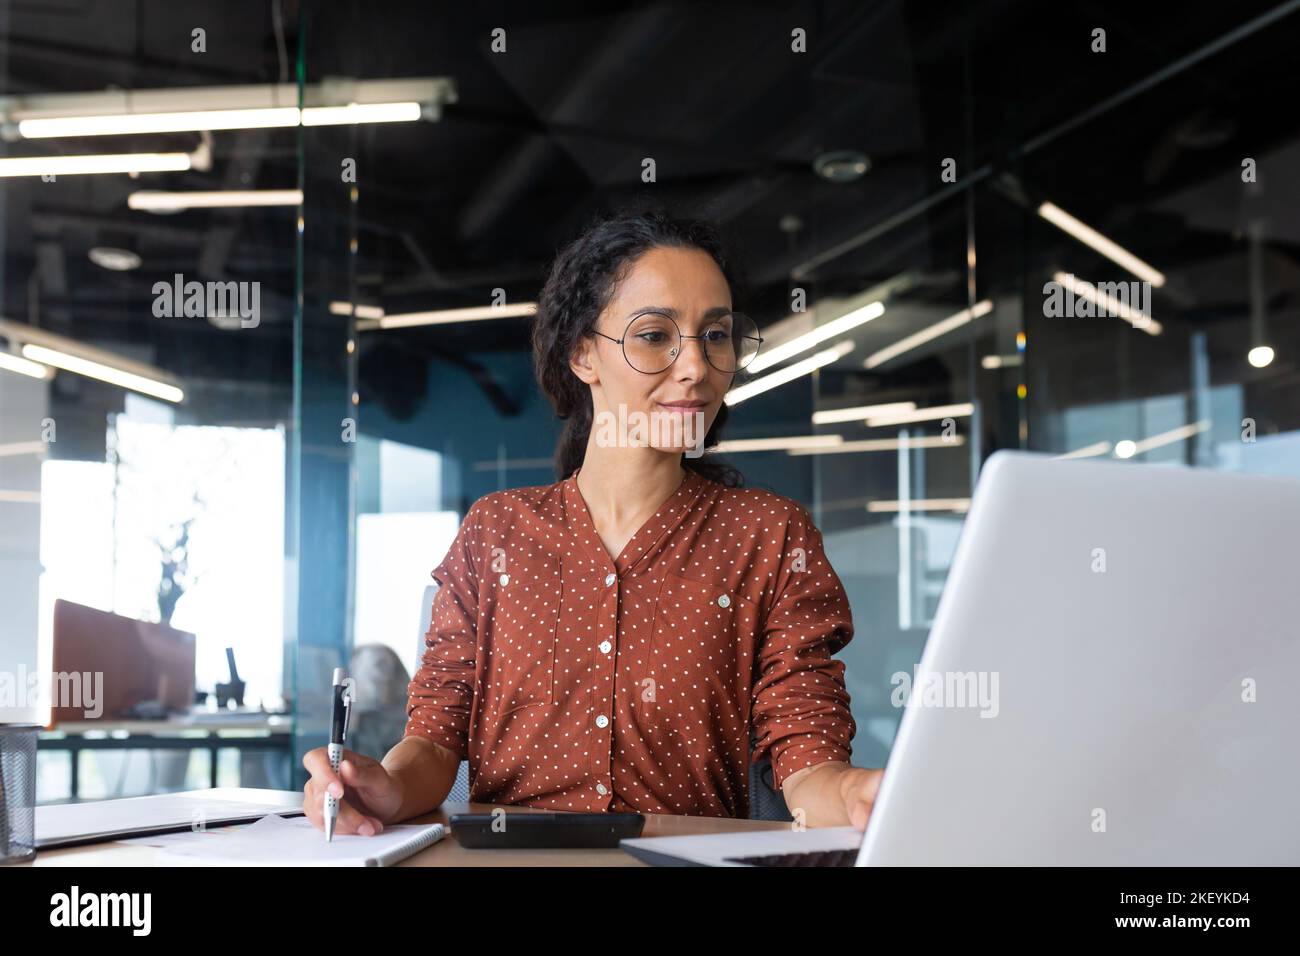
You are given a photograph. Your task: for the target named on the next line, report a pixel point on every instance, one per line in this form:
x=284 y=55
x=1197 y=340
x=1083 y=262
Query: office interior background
x=901 y=181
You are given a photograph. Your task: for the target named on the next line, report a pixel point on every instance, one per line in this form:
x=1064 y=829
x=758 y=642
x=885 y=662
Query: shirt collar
x=660 y=524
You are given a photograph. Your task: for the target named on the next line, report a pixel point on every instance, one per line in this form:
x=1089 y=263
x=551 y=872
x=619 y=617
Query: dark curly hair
x=581 y=284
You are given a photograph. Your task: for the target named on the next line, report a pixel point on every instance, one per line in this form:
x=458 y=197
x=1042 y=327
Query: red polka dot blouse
x=573 y=681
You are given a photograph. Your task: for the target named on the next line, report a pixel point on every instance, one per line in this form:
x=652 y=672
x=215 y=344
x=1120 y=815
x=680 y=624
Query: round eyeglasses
x=652 y=341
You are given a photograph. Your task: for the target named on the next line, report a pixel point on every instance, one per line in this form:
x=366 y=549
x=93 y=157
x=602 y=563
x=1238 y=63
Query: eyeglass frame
x=680 y=338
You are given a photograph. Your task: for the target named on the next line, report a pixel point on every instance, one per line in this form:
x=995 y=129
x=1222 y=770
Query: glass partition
x=146 y=395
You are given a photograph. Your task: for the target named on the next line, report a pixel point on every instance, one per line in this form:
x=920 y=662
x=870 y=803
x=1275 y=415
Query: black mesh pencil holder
x=17 y=792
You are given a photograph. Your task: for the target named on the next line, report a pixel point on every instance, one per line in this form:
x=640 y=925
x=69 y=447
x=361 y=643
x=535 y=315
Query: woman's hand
x=368 y=794
x=858 y=789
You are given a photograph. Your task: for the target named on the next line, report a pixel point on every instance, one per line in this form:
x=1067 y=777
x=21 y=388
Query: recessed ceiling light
x=119 y=260
x=225 y=320
x=842 y=165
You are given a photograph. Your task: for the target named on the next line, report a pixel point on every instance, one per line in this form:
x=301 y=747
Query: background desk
x=447 y=852
x=242 y=731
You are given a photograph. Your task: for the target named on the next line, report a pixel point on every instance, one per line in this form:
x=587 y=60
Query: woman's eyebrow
x=716 y=312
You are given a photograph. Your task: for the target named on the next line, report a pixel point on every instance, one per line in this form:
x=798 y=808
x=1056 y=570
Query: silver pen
x=340 y=712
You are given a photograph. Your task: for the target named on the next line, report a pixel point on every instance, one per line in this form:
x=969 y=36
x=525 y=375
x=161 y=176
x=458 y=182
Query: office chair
x=765 y=803
x=379 y=720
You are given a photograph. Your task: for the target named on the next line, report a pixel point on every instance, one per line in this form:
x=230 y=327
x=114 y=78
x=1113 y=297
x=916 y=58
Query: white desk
x=446 y=852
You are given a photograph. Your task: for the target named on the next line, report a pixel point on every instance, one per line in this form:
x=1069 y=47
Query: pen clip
x=349 y=698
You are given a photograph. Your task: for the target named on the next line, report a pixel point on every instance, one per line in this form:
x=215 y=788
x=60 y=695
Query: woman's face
x=687 y=285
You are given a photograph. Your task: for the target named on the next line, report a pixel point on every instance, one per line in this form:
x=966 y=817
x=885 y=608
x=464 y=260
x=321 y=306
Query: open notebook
x=277 y=841
x=98 y=821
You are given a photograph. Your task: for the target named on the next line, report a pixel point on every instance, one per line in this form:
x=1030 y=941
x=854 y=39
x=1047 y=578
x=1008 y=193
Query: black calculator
x=504 y=829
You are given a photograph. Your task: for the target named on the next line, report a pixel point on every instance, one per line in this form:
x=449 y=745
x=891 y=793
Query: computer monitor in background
x=140 y=661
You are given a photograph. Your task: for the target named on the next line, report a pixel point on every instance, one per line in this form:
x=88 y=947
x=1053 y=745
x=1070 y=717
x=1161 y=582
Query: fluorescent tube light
x=355 y=113
x=105 y=373
x=87 y=165
x=1182 y=433
x=16 y=363
x=885 y=444
x=923 y=415
x=117 y=124
x=954 y=321
x=159 y=201
x=114 y=124
x=59 y=351
x=787 y=374
x=445 y=316
x=1092 y=238
x=335 y=101
x=859 y=413
x=788 y=443
x=1089 y=451
x=361 y=311
x=801 y=343
x=1108 y=303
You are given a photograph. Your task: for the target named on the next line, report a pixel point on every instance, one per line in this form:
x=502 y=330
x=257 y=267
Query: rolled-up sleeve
x=442 y=691
x=801 y=714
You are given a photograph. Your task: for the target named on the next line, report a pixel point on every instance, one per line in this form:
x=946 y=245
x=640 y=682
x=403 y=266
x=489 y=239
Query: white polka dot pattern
x=571 y=680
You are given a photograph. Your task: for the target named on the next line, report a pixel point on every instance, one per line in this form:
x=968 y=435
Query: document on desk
x=101 y=820
x=275 y=841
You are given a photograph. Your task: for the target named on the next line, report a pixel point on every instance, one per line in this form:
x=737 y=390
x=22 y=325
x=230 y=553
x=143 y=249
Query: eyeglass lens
x=652 y=342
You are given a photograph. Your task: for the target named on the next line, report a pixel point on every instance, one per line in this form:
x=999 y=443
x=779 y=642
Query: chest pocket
x=702 y=645
x=525 y=616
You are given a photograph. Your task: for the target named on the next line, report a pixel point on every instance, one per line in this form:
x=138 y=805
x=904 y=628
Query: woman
x=610 y=641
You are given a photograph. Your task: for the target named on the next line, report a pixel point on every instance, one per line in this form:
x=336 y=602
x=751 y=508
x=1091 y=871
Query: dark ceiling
x=554 y=130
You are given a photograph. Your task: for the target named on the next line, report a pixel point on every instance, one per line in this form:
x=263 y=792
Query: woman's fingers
x=354 y=815
x=350 y=819
x=317 y=763
x=370 y=781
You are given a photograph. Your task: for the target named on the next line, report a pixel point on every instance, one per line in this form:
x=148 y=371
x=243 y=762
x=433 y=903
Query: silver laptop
x=1110 y=680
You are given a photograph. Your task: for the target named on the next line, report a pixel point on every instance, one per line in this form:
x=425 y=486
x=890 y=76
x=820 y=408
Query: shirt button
x=600 y=789
x=505 y=579
x=610 y=579
x=602 y=721
x=724 y=601
x=605 y=646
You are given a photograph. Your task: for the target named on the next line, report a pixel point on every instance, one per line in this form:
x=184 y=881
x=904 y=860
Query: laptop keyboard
x=813 y=858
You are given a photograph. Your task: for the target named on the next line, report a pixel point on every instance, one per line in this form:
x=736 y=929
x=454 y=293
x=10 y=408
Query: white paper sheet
x=275 y=841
